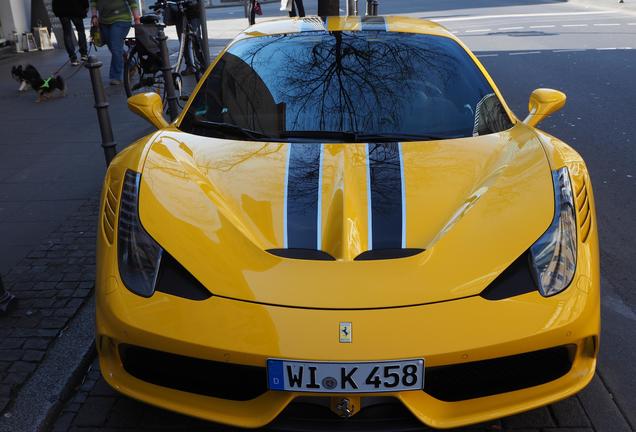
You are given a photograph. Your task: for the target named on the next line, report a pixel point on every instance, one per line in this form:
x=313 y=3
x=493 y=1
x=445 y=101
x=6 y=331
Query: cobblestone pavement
x=51 y=283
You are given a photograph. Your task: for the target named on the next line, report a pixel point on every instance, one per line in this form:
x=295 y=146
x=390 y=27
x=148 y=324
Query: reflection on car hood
x=474 y=205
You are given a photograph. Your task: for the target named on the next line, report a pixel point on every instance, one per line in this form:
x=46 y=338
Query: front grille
x=505 y=374
x=452 y=383
x=192 y=375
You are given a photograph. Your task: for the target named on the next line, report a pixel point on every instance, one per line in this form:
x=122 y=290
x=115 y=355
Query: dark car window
x=345 y=87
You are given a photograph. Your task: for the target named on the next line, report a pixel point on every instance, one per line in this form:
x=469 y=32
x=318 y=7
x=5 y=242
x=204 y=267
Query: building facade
x=15 y=16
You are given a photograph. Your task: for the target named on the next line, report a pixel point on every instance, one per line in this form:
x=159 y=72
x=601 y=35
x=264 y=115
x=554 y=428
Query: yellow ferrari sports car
x=347 y=216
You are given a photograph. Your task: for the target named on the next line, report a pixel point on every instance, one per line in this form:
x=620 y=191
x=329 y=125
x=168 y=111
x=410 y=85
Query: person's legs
x=81 y=36
x=116 y=35
x=105 y=33
x=68 y=37
x=301 y=7
x=292 y=13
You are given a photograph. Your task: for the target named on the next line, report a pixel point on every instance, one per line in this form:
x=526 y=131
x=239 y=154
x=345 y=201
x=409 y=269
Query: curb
x=42 y=397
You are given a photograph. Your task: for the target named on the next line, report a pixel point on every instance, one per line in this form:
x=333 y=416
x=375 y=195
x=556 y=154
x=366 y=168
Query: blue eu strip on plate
x=275 y=375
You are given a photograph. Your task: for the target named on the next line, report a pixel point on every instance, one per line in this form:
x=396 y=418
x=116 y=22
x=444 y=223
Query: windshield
x=345 y=87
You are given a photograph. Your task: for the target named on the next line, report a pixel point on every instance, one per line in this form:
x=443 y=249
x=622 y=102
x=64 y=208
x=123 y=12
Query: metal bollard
x=204 y=33
x=352 y=7
x=6 y=299
x=101 y=105
x=372 y=7
x=328 y=8
x=168 y=80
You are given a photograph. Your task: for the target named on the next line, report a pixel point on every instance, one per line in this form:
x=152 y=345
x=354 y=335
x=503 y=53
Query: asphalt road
x=591 y=55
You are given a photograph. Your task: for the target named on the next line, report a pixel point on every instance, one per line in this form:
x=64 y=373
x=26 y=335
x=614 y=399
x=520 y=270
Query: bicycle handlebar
x=162 y=4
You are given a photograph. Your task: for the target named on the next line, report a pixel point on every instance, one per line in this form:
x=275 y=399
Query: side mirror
x=149 y=107
x=544 y=102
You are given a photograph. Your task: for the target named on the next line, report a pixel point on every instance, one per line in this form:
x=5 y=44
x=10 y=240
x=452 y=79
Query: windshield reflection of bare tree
x=344 y=81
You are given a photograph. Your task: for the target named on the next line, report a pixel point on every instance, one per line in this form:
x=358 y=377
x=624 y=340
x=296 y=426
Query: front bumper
x=455 y=332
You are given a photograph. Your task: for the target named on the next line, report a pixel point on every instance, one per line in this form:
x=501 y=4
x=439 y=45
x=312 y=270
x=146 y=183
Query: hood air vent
x=302 y=254
x=372 y=255
x=387 y=254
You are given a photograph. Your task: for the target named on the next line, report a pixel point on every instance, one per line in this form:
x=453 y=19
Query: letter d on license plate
x=366 y=377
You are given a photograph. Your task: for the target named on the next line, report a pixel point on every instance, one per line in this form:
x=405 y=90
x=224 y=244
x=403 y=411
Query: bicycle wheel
x=197 y=56
x=142 y=74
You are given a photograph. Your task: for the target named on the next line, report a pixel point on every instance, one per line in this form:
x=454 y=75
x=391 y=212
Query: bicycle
x=142 y=66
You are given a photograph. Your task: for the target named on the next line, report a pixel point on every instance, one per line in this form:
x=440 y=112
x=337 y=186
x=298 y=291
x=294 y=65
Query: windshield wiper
x=396 y=137
x=234 y=130
x=353 y=137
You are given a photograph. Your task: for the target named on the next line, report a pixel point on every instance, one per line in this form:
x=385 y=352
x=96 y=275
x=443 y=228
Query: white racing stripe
x=369 y=204
x=285 y=237
x=319 y=212
x=483 y=17
x=402 y=175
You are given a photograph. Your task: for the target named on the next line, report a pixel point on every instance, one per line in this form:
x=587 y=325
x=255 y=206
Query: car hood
x=469 y=206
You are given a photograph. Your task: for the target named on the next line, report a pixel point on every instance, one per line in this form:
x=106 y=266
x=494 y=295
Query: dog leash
x=72 y=74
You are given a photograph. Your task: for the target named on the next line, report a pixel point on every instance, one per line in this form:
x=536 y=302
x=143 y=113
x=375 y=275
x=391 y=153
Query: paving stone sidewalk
x=51 y=284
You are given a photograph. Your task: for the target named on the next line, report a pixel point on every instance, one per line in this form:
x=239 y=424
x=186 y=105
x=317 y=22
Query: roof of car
x=346 y=23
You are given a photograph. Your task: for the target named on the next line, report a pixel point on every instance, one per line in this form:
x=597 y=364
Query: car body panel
x=487 y=196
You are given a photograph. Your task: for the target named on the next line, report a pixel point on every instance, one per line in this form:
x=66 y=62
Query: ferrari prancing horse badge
x=345 y=332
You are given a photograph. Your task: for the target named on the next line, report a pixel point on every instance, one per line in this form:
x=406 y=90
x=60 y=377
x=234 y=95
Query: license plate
x=366 y=377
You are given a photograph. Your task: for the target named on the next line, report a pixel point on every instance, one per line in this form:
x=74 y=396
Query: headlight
x=553 y=256
x=139 y=255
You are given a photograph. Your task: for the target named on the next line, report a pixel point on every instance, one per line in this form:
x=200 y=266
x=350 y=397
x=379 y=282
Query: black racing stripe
x=302 y=196
x=385 y=184
x=373 y=23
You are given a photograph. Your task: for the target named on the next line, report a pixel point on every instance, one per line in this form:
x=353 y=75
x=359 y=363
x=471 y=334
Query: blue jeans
x=114 y=35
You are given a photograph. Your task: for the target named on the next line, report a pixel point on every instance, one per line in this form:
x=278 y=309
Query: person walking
x=297 y=5
x=72 y=13
x=294 y=7
x=114 y=19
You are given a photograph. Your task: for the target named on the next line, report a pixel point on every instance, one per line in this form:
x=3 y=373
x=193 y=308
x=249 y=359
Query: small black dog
x=30 y=77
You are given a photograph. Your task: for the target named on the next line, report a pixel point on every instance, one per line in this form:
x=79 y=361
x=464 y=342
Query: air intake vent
x=110 y=214
x=312 y=24
x=584 y=211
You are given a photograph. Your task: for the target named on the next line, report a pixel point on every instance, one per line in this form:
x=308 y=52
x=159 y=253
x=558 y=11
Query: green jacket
x=111 y=11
